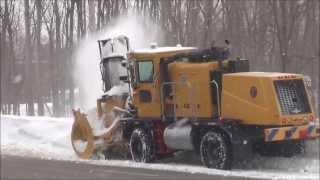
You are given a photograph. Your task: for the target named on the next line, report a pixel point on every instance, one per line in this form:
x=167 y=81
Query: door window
x=145 y=69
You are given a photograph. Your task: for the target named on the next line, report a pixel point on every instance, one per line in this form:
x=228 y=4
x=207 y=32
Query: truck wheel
x=141 y=146
x=215 y=151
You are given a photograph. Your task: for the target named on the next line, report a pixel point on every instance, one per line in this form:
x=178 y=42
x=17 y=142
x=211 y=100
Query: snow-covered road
x=49 y=138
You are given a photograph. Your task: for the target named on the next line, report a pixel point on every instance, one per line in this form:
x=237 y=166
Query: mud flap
x=242 y=150
x=242 y=139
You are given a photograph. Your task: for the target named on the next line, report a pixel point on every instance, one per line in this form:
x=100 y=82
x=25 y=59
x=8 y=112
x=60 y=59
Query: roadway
x=15 y=167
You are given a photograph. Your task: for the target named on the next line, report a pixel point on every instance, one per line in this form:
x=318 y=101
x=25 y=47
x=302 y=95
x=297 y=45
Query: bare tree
x=91 y=15
x=28 y=66
x=276 y=35
x=55 y=89
x=3 y=48
x=318 y=59
x=38 y=68
x=285 y=16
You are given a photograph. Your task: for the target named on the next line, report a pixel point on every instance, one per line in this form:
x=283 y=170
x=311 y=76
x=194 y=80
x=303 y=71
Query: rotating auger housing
x=99 y=131
x=182 y=98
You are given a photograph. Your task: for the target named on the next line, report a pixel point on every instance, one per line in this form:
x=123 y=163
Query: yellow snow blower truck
x=166 y=99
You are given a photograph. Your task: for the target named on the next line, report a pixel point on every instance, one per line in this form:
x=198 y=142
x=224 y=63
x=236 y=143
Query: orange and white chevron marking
x=292 y=132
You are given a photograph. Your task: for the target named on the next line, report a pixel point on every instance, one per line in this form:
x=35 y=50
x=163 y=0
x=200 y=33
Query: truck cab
x=146 y=78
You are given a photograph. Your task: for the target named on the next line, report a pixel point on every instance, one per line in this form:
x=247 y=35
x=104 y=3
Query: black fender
x=242 y=139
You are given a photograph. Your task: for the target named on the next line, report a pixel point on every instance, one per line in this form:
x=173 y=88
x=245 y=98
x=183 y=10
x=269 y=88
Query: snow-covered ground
x=49 y=138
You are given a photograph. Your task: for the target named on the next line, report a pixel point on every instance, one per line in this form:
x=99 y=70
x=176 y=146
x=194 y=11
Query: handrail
x=218 y=96
x=162 y=99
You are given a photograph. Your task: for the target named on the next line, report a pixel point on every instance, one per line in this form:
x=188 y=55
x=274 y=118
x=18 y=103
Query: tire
x=141 y=146
x=215 y=151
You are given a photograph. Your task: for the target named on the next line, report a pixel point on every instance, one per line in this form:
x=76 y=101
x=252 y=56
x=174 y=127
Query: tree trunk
x=318 y=61
x=71 y=84
x=55 y=84
x=3 y=57
x=99 y=15
x=283 y=39
x=11 y=75
x=39 y=77
x=28 y=60
x=80 y=22
x=52 y=64
x=84 y=18
x=91 y=15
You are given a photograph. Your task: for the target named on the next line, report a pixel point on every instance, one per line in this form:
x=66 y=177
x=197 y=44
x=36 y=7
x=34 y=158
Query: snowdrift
x=49 y=138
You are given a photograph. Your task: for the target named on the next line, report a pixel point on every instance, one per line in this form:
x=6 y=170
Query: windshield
x=145 y=71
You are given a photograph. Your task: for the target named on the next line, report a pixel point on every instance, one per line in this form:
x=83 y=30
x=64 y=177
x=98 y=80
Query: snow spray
x=86 y=73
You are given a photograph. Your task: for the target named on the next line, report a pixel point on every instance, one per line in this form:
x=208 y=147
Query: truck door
x=146 y=92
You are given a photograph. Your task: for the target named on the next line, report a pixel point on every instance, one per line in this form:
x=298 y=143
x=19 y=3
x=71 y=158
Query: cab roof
x=265 y=74
x=160 y=50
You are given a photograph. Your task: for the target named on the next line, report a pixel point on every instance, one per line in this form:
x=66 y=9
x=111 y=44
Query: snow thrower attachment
x=99 y=131
x=182 y=98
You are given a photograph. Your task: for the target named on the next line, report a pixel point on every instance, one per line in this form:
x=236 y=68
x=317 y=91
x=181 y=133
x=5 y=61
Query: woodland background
x=38 y=39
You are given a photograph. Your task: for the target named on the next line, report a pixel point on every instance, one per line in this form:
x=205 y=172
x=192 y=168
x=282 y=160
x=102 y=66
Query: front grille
x=292 y=97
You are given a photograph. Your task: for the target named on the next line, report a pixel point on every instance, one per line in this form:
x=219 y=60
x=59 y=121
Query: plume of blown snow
x=86 y=73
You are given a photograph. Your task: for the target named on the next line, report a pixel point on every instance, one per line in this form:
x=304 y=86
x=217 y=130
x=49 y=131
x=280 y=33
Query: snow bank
x=49 y=138
x=43 y=136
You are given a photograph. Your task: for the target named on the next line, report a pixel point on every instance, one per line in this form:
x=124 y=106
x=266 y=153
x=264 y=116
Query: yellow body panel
x=193 y=91
x=263 y=109
x=238 y=104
